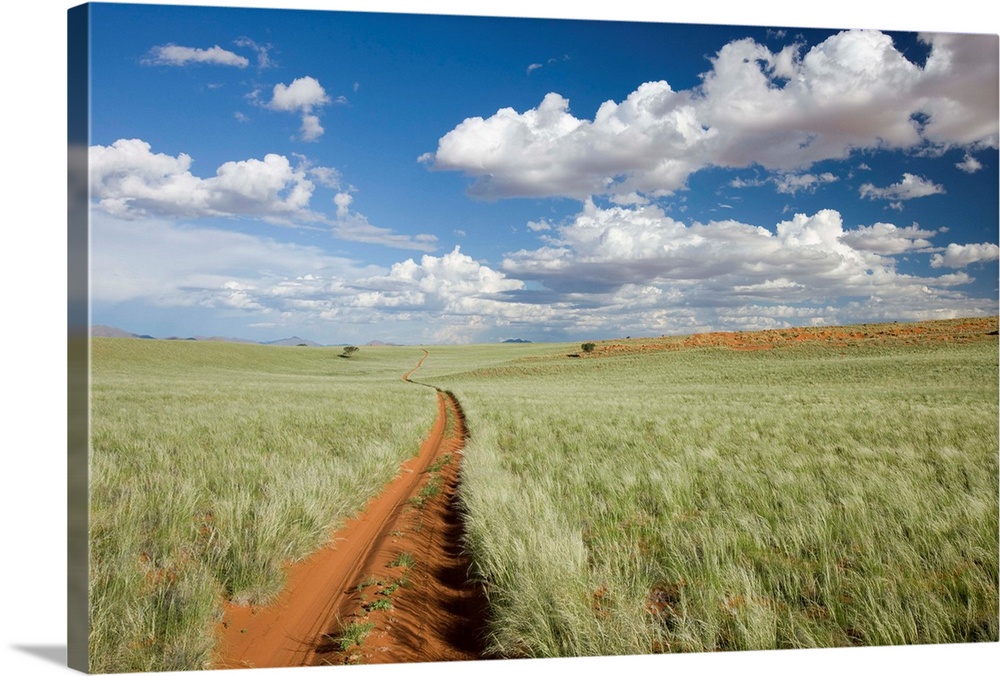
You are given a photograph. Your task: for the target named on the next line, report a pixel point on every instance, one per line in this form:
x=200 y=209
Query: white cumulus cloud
x=641 y=267
x=453 y=280
x=176 y=55
x=129 y=181
x=311 y=128
x=343 y=201
x=454 y=297
x=961 y=255
x=969 y=164
x=783 y=111
x=889 y=239
x=303 y=95
x=909 y=187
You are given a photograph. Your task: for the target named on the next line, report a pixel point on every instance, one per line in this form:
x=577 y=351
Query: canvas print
x=420 y=338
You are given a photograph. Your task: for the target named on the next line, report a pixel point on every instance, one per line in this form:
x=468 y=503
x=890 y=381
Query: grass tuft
x=354 y=634
x=403 y=560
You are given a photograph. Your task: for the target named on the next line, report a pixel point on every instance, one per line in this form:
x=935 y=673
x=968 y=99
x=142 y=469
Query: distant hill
x=516 y=340
x=223 y=339
x=293 y=341
x=103 y=331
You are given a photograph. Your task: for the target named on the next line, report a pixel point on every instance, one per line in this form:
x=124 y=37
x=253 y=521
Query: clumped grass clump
x=403 y=560
x=214 y=464
x=378 y=604
x=354 y=634
x=710 y=499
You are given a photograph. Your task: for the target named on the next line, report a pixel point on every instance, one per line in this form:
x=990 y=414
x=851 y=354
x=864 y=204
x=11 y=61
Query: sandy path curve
x=430 y=611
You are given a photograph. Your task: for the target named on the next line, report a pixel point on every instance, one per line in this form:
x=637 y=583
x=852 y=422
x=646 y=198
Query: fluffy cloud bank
x=453 y=282
x=161 y=263
x=129 y=181
x=608 y=272
x=667 y=275
x=783 y=111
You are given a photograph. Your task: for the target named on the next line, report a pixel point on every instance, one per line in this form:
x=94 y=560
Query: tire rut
x=396 y=573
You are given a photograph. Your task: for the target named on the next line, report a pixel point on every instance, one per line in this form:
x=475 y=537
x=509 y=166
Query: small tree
x=349 y=350
x=588 y=347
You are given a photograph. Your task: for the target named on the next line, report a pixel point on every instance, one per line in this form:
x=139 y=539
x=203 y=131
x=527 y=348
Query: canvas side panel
x=78 y=126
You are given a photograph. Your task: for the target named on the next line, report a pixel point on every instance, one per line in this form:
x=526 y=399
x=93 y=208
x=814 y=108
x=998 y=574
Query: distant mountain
x=102 y=331
x=293 y=341
x=379 y=343
x=516 y=340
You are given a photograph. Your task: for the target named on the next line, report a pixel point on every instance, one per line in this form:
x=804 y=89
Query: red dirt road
x=418 y=607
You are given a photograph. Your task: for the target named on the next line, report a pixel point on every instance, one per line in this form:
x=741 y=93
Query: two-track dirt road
x=397 y=572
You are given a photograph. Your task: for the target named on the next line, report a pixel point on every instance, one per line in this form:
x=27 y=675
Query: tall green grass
x=684 y=500
x=709 y=499
x=212 y=465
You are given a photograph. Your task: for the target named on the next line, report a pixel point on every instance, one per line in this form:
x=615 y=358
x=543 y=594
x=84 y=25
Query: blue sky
x=348 y=177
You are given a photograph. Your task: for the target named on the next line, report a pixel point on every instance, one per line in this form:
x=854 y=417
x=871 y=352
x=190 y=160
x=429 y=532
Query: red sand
x=435 y=615
x=928 y=332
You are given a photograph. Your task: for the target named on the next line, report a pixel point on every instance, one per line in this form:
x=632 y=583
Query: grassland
x=723 y=492
x=831 y=492
x=213 y=464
